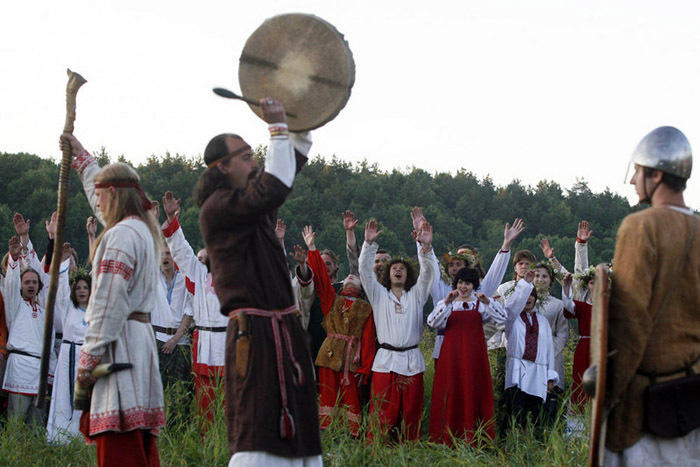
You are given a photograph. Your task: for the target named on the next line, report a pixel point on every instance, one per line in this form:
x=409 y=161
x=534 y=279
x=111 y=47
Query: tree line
x=463 y=208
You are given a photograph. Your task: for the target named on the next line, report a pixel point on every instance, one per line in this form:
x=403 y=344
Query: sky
x=545 y=89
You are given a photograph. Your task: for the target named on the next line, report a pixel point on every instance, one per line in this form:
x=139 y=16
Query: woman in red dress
x=462 y=400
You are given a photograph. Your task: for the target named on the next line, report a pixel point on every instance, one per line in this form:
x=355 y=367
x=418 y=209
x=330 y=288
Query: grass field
x=182 y=443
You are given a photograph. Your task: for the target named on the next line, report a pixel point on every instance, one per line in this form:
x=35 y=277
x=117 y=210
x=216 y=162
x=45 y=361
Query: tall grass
x=184 y=441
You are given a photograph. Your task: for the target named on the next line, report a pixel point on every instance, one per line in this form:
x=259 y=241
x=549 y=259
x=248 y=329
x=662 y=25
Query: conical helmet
x=665 y=149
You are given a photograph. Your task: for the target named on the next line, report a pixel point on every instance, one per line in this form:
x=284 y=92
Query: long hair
x=80 y=275
x=411 y=275
x=124 y=203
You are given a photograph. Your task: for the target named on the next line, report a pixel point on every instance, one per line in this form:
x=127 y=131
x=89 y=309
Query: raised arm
x=322 y=282
x=498 y=267
x=351 y=248
x=183 y=254
x=426 y=259
x=87 y=168
x=548 y=252
x=12 y=287
x=369 y=281
x=491 y=310
x=515 y=303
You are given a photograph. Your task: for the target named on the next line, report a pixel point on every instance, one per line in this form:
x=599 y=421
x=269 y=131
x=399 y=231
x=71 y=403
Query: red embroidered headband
x=145 y=202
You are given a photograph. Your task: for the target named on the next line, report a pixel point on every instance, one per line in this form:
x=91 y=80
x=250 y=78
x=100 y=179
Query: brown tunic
x=649 y=248
x=250 y=271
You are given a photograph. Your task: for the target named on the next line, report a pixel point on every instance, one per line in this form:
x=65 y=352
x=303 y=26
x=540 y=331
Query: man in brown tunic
x=649 y=333
x=271 y=406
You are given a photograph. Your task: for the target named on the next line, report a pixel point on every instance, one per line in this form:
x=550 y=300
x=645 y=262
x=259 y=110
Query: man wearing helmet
x=653 y=327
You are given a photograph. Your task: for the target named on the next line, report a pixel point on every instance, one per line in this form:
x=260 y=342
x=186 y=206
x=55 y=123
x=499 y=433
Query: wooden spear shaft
x=74 y=83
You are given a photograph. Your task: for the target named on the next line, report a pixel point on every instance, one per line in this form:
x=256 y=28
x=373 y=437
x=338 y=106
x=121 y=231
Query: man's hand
x=529 y=276
x=361 y=379
x=417 y=218
x=21 y=226
x=85 y=378
x=70 y=143
x=171 y=206
x=91 y=226
x=451 y=296
x=51 y=225
x=280 y=230
x=14 y=247
x=371 y=232
x=169 y=346
x=299 y=255
x=273 y=110
x=483 y=298
x=566 y=283
x=309 y=237
x=511 y=233
x=547 y=249
x=349 y=221
x=584 y=232
x=425 y=236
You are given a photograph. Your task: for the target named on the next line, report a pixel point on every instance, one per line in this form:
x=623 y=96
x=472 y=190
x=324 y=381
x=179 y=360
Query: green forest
x=462 y=207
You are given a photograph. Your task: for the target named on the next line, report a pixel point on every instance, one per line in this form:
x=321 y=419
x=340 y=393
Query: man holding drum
x=272 y=412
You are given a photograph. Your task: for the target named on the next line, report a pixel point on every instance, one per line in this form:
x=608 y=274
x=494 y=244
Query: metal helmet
x=665 y=149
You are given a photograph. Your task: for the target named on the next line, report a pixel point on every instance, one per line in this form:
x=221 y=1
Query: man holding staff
x=126 y=409
x=271 y=406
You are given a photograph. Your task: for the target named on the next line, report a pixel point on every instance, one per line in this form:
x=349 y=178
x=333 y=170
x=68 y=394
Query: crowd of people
x=296 y=345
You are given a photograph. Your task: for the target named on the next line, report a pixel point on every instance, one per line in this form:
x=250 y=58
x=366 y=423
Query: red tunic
x=462 y=398
x=333 y=389
x=582 y=355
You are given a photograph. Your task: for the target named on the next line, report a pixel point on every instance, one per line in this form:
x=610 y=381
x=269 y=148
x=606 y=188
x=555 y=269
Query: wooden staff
x=74 y=83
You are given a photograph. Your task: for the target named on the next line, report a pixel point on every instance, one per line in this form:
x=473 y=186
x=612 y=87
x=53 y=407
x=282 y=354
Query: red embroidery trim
x=111 y=266
x=88 y=361
x=127 y=420
x=81 y=162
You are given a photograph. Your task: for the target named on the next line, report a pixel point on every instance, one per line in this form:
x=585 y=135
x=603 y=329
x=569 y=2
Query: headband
x=228 y=156
x=145 y=202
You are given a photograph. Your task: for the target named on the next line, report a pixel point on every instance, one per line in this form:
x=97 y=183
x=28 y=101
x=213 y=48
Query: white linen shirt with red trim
x=211 y=346
x=399 y=322
x=124 y=280
x=25 y=326
x=174 y=302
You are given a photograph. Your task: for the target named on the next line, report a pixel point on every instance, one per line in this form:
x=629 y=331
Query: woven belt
x=59 y=335
x=71 y=370
x=348 y=352
x=280 y=331
x=396 y=349
x=168 y=331
x=140 y=316
x=210 y=329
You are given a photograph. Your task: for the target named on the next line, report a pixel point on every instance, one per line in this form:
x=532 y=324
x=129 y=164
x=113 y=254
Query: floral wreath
x=584 y=277
x=81 y=274
x=470 y=258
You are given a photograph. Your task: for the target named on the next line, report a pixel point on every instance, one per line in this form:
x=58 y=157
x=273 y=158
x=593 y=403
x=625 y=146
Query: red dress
x=462 y=400
x=582 y=355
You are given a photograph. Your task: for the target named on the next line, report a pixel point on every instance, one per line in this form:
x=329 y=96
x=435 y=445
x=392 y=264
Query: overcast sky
x=532 y=90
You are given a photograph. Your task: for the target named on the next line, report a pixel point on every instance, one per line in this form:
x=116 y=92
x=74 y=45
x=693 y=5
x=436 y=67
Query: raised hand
x=566 y=283
x=417 y=218
x=584 y=232
x=91 y=226
x=273 y=110
x=70 y=143
x=546 y=248
x=371 y=232
x=280 y=230
x=451 y=296
x=14 y=246
x=21 y=226
x=309 y=237
x=511 y=233
x=483 y=298
x=425 y=235
x=298 y=255
x=171 y=206
x=67 y=252
x=349 y=221
x=51 y=225
x=529 y=276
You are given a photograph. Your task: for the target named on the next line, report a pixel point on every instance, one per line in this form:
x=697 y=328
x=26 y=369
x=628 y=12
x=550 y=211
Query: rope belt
x=168 y=331
x=71 y=371
x=140 y=316
x=348 y=352
x=397 y=349
x=280 y=331
x=210 y=329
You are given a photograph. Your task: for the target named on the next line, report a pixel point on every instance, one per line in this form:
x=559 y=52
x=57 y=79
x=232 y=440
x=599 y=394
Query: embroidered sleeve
x=81 y=162
x=183 y=254
x=437 y=319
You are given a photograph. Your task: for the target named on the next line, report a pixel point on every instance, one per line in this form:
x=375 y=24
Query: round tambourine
x=302 y=61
